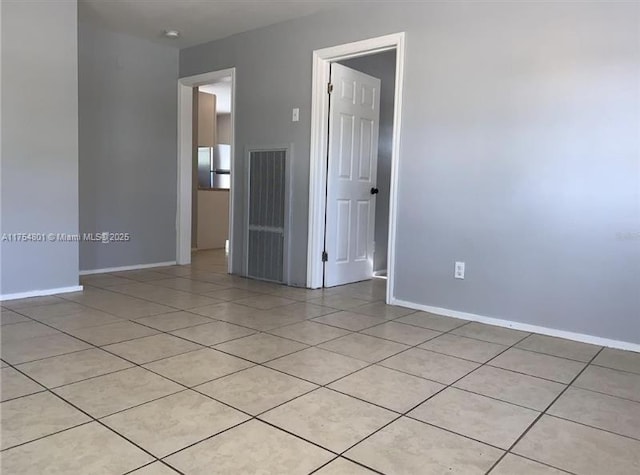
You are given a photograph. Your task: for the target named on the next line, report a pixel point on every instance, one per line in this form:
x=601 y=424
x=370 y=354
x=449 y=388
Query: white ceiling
x=198 y=21
x=222 y=90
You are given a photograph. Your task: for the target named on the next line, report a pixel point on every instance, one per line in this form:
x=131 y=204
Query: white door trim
x=318 y=160
x=185 y=150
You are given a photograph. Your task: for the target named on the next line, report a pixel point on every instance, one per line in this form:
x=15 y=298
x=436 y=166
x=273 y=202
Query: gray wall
x=39 y=143
x=519 y=150
x=128 y=147
x=383 y=67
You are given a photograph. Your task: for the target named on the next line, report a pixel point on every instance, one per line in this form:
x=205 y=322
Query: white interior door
x=354 y=117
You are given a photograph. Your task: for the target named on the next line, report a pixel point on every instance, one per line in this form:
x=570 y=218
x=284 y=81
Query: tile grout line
x=186 y=388
x=404 y=414
x=311 y=319
x=331 y=382
x=542 y=413
x=92 y=420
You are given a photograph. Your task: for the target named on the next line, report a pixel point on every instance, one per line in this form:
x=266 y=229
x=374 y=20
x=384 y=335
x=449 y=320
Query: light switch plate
x=295 y=116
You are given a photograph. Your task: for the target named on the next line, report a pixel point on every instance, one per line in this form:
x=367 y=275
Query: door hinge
x=325 y=256
x=329 y=88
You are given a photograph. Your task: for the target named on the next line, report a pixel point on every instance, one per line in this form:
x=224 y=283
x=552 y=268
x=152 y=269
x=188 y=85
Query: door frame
x=322 y=60
x=185 y=161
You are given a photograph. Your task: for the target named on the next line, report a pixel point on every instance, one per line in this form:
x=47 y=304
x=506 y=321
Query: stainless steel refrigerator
x=214 y=167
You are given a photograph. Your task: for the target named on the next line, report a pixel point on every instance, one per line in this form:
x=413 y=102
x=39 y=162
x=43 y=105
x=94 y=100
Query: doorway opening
x=357 y=92
x=204 y=218
x=211 y=166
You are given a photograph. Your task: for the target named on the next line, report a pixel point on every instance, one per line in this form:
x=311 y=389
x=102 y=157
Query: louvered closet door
x=266 y=214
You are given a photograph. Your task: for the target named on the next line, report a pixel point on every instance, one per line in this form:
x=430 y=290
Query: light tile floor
x=190 y=370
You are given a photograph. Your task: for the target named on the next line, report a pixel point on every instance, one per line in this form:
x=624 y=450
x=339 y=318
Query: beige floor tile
x=432 y=321
x=364 y=347
x=410 y=447
x=401 y=333
x=227 y=311
x=143 y=309
x=490 y=333
x=231 y=294
x=141 y=275
x=253 y=447
x=65 y=369
x=92 y=318
x=265 y=320
x=32 y=302
x=88 y=449
x=302 y=310
x=427 y=364
x=550 y=345
x=265 y=302
x=619 y=359
x=167 y=322
x=170 y=424
x=260 y=347
x=516 y=388
x=488 y=420
x=610 y=381
x=371 y=296
x=213 y=333
x=537 y=364
x=255 y=285
x=349 y=320
x=112 y=333
x=184 y=300
x=297 y=293
x=466 y=348
x=515 y=465
x=579 y=449
x=330 y=419
x=374 y=290
x=151 y=348
x=24 y=330
x=156 y=468
x=316 y=365
x=342 y=466
x=387 y=388
x=382 y=310
x=13 y=384
x=337 y=301
x=599 y=410
x=31 y=417
x=197 y=367
x=44 y=312
x=310 y=333
x=256 y=389
x=275 y=321
x=187 y=285
x=8 y=317
x=102 y=280
x=21 y=351
x=114 y=392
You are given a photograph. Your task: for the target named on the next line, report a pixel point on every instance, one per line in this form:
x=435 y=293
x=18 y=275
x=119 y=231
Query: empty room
x=298 y=237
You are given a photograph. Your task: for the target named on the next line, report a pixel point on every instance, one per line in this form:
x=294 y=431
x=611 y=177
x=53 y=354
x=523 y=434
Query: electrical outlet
x=295 y=115
x=458 y=271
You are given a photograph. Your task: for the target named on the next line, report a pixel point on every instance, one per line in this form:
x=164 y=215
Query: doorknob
x=374 y=191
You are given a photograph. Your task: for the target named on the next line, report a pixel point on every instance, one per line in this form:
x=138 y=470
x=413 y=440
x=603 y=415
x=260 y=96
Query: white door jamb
x=185 y=160
x=318 y=163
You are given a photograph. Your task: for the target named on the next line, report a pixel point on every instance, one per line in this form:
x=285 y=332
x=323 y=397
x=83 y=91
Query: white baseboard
x=41 y=293
x=123 y=268
x=581 y=337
